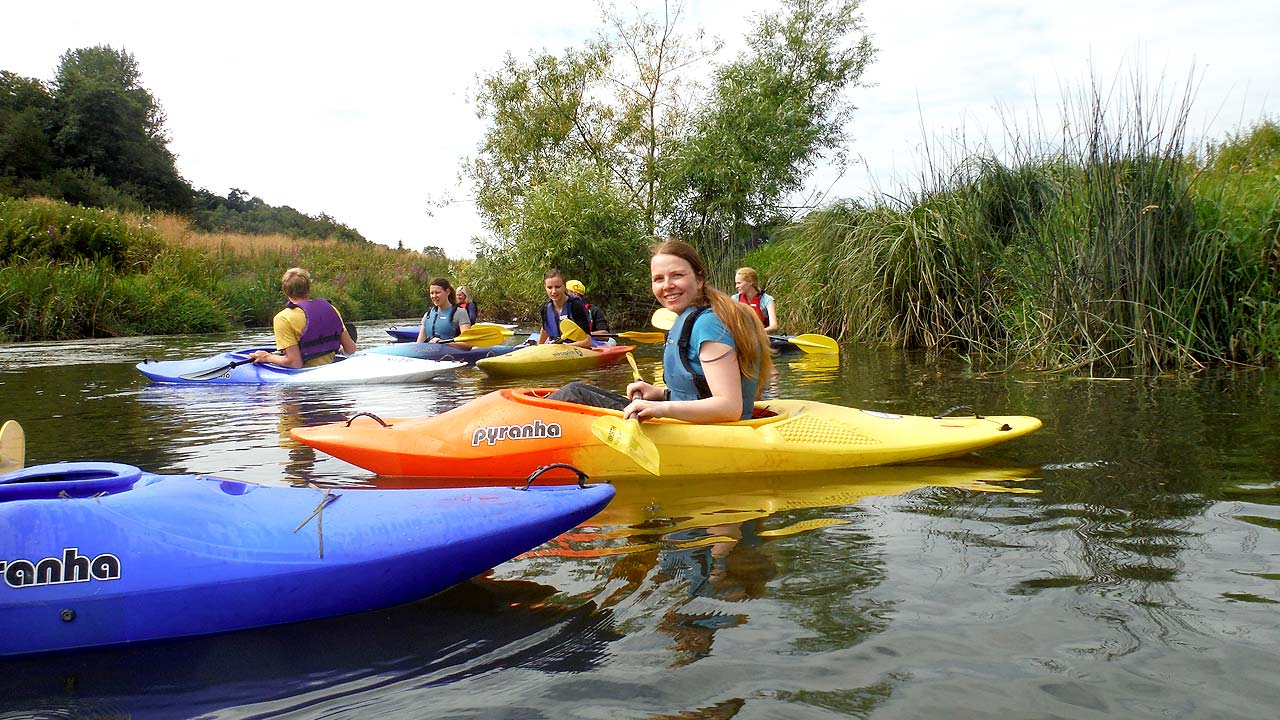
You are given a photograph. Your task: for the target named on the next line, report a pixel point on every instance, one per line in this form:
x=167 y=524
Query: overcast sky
x=361 y=109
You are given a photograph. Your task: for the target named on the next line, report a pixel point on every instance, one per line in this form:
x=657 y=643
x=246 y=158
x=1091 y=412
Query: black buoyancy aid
x=322 y=334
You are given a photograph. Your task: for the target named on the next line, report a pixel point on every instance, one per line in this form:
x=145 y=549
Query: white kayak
x=234 y=368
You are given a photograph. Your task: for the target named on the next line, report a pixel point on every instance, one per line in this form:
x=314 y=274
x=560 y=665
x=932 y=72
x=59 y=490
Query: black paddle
x=218 y=371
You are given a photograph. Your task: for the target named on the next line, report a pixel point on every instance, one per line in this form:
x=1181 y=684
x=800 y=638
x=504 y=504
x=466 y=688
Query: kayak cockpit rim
x=538 y=397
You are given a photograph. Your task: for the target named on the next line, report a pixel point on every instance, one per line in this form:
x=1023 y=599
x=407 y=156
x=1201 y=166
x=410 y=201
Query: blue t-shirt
x=707 y=329
x=439 y=325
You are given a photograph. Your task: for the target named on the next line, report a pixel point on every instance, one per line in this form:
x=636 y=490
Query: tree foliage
x=95 y=136
x=712 y=165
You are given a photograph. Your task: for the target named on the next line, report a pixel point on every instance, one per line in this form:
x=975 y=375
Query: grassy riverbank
x=70 y=272
x=1120 y=249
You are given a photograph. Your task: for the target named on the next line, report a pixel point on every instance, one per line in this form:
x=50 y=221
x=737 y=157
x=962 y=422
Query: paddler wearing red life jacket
x=308 y=331
x=748 y=283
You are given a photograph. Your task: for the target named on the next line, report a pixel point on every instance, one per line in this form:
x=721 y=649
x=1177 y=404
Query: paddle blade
x=644 y=337
x=635 y=371
x=13 y=447
x=814 y=343
x=663 y=319
x=571 y=331
x=626 y=437
x=486 y=336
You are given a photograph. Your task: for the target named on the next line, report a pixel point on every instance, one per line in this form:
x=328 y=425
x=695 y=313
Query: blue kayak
x=235 y=368
x=96 y=554
x=406 y=333
x=439 y=351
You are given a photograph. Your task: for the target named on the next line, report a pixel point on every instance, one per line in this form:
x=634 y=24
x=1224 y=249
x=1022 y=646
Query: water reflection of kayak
x=470 y=630
x=648 y=510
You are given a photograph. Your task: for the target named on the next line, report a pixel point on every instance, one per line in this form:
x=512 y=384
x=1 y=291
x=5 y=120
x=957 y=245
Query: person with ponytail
x=750 y=294
x=717 y=354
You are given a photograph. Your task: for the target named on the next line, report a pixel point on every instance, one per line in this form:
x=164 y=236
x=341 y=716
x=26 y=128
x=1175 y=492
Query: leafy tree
x=714 y=166
x=772 y=115
x=108 y=123
x=26 y=108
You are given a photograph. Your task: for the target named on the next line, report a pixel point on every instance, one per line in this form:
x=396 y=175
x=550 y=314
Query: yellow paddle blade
x=814 y=343
x=644 y=337
x=626 y=437
x=635 y=371
x=486 y=336
x=13 y=447
x=663 y=319
x=570 y=330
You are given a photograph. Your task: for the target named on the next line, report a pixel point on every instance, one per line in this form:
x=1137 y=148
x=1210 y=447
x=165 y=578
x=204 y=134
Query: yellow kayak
x=505 y=434
x=552 y=358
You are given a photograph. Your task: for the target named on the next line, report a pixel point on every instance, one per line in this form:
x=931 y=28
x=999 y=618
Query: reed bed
x=1111 y=247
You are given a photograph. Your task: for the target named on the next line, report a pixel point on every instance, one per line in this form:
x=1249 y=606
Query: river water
x=1122 y=562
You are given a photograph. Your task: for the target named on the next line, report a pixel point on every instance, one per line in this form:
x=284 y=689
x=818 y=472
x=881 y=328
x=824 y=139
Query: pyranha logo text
x=493 y=433
x=72 y=567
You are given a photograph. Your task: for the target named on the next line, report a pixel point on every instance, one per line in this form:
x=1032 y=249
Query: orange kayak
x=505 y=434
x=552 y=358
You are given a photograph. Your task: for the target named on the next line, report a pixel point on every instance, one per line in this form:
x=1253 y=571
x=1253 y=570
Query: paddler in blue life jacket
x=597 y=323
x=716 y=357
x=308 y=331
x=445 y=320
x=560 y=304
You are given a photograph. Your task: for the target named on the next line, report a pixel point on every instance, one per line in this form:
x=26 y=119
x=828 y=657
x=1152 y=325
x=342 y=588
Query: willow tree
x=628 y=116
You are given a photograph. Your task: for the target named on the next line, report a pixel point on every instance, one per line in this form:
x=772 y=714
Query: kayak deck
x=552 y=358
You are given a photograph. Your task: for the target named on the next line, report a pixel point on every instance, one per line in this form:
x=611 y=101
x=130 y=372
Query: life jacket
x=551 y=318
x=322 y=334
x=686 y=334
x=432 y=320
x=755 y=305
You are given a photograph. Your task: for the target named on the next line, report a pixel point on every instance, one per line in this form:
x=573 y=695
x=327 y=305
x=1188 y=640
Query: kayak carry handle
x=528 y=483
x=950 y=410
x=366 y=414
x=1004 y=427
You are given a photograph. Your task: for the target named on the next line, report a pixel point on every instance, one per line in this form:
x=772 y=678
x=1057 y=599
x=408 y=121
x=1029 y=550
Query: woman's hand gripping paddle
x=625 y=435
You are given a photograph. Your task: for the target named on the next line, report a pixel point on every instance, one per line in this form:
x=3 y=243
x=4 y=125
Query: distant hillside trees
x=95 y=136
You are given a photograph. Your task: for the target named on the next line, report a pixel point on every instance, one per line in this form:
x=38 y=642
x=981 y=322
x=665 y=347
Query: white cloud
x=360 y=110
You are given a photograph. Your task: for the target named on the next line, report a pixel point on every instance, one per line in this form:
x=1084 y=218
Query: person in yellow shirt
x=308 y=331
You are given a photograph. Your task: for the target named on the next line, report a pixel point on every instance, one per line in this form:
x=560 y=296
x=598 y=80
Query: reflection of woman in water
x=732 y=568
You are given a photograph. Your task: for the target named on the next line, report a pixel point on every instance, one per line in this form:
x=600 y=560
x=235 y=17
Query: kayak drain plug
x=67 y=615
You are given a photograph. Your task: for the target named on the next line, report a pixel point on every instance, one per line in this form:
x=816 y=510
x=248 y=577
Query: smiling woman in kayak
x=716 y=353
x=445 y=320
x=715 y=356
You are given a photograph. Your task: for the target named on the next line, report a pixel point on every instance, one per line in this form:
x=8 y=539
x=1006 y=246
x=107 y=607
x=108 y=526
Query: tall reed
x=1111 y=246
